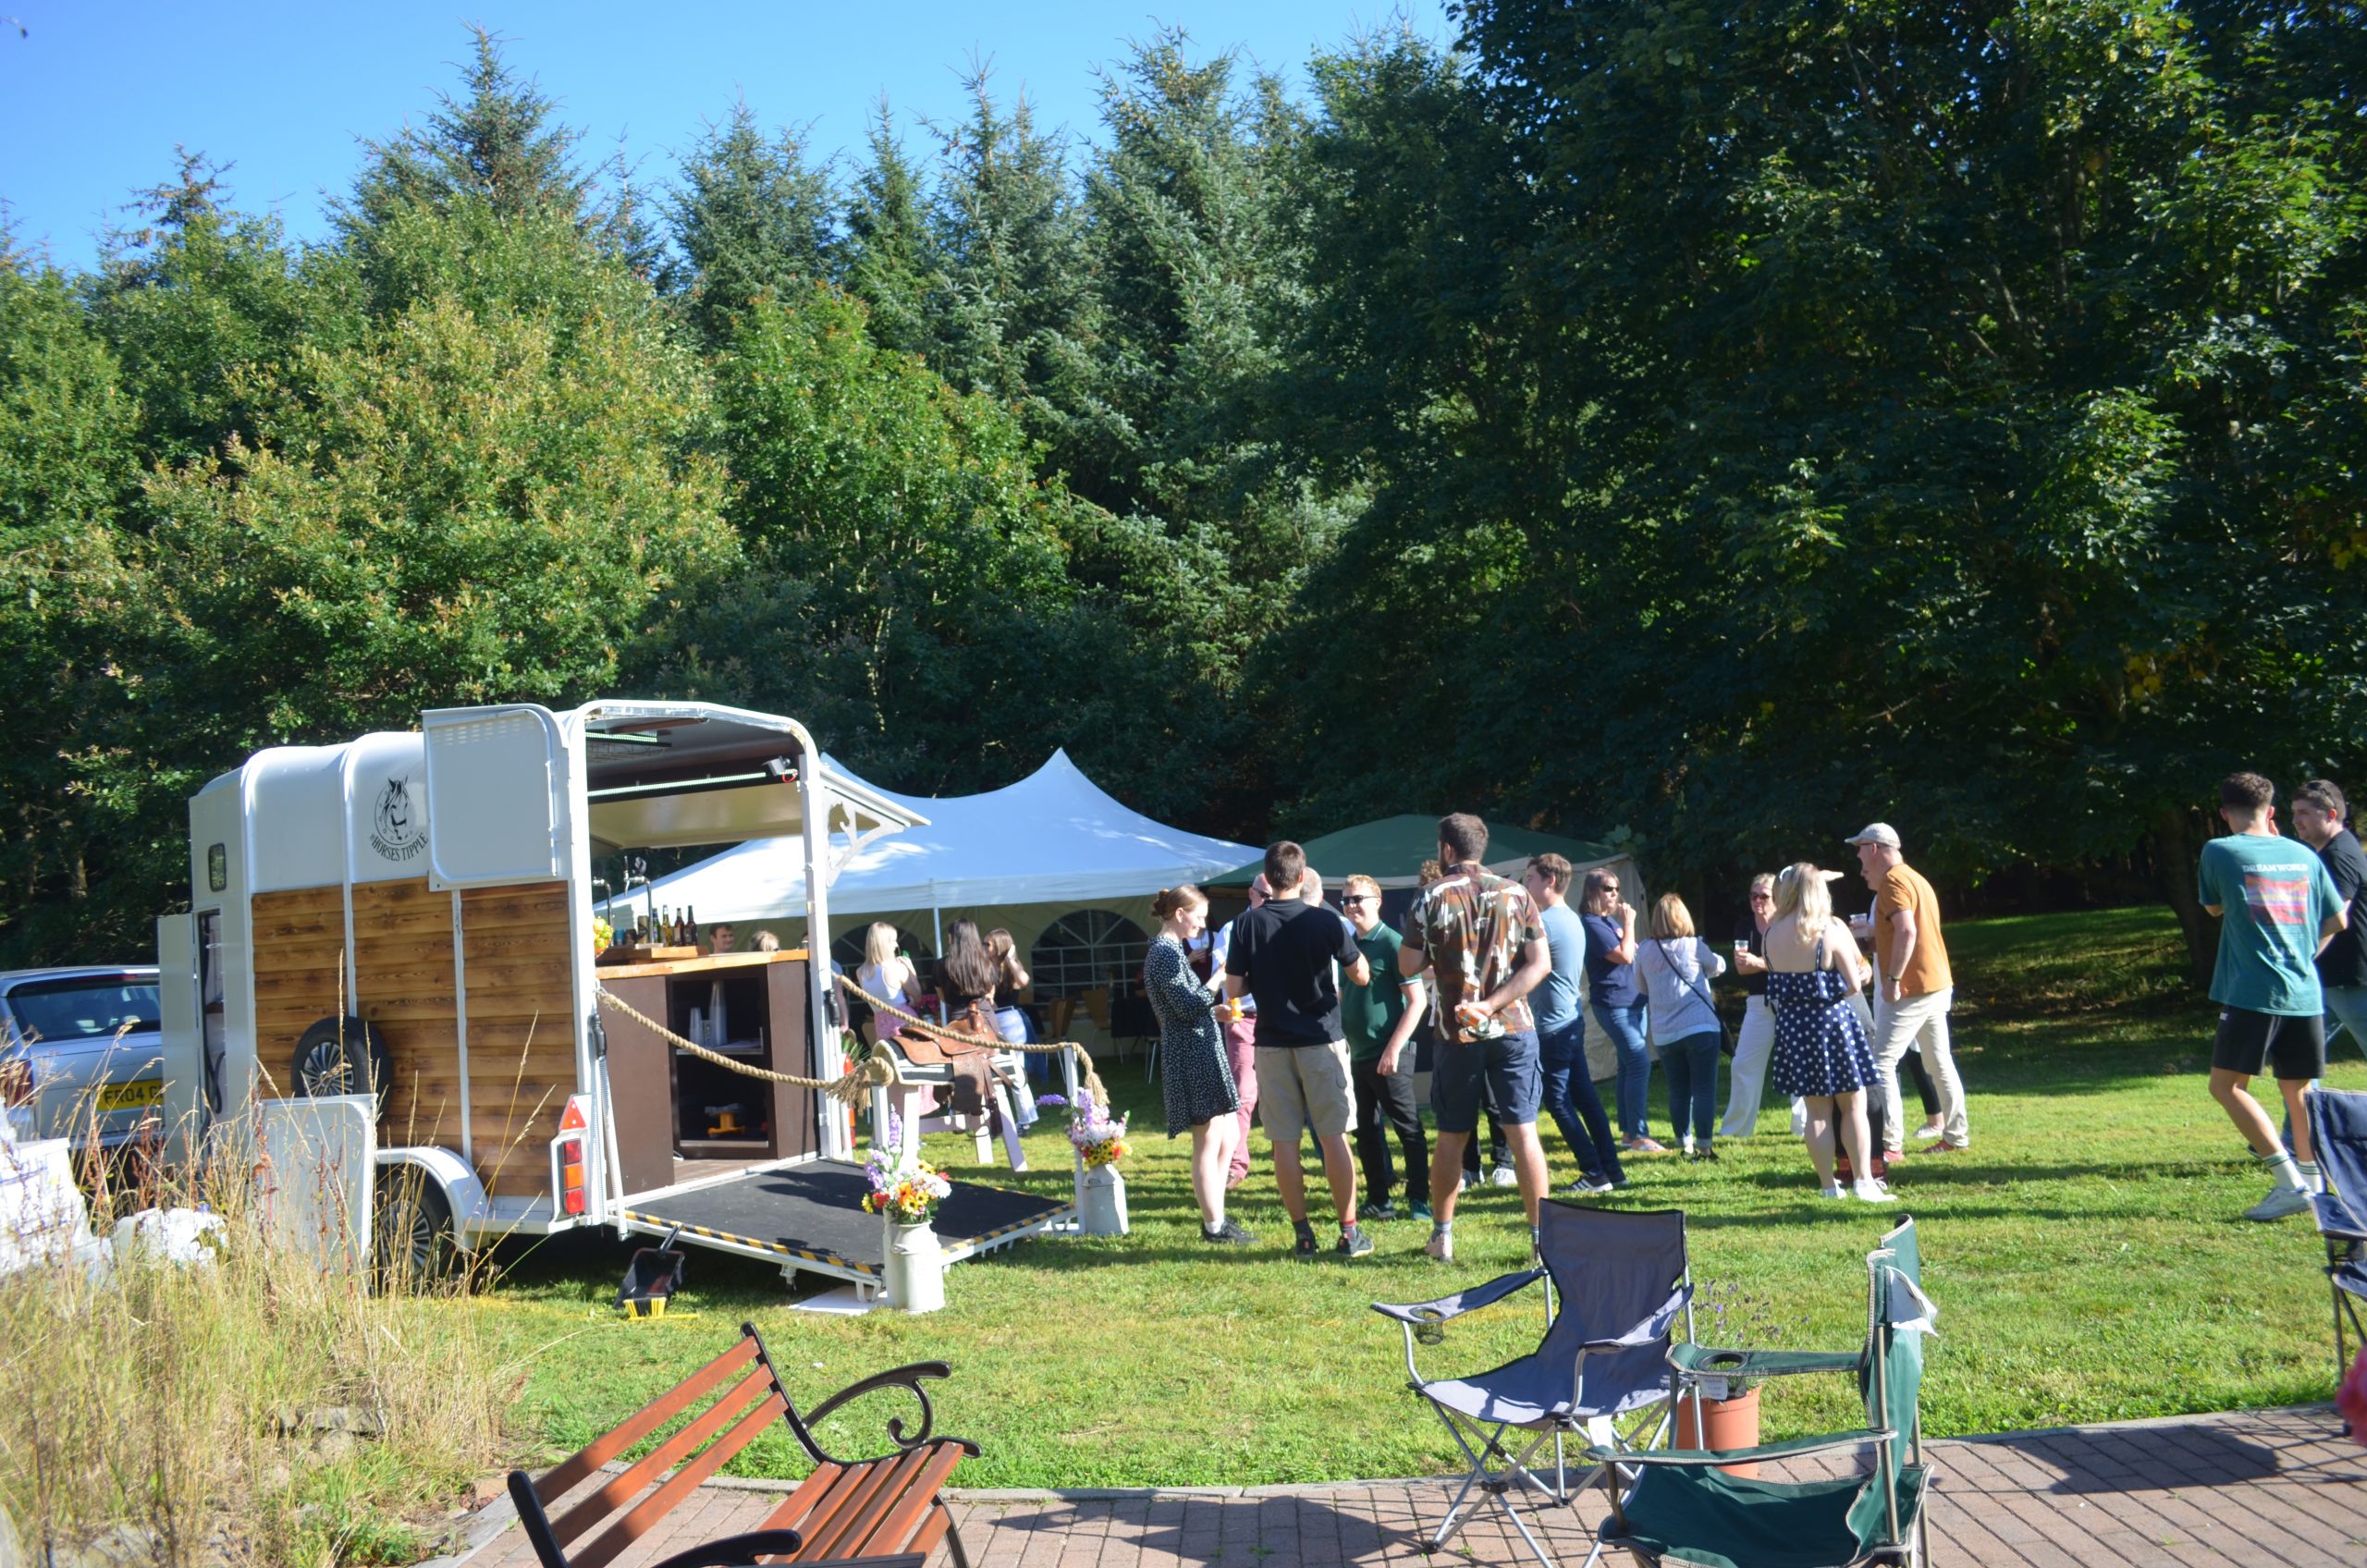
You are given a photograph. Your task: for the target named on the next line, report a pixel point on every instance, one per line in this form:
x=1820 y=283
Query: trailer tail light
x=573 y=1135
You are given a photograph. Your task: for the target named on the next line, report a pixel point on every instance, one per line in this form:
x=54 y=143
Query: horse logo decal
x=398 y=834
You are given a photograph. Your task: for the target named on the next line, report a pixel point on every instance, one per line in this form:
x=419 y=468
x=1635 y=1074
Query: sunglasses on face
x=1358 y=899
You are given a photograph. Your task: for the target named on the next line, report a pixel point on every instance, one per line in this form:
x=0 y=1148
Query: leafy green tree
x=1920 y=386
x=479 y=501
x=198 y=297
x=751 y=218
x=68 y=461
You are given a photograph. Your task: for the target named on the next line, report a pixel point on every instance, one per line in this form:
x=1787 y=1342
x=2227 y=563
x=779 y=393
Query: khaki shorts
x=1299 y=1085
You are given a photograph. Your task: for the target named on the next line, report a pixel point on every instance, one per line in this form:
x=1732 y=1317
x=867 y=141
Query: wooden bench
x=883 y=1512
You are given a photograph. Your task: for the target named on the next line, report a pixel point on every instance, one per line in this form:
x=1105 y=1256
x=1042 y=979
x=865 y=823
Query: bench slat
x=833 y=1523
x=571 y=1473
x=630 y=1528
x=895 y=1527
x=622 y=1488
x=898 y=1477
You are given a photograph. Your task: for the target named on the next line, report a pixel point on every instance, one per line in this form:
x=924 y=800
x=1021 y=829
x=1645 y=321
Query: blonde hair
x=767 y=942
x=1362 y=885
x=1802 y=890
x=1671 y=919
x=1764 y=883
x=880 y=944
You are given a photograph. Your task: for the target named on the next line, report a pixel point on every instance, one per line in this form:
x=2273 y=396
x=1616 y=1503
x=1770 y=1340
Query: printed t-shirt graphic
x=2275 y=893
x=1474 y=924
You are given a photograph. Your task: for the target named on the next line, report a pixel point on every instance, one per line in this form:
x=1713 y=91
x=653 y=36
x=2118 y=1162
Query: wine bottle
x=690 y=925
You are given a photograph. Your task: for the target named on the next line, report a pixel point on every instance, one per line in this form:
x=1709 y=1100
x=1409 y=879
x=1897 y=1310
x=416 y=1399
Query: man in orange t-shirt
x=1911 y=1007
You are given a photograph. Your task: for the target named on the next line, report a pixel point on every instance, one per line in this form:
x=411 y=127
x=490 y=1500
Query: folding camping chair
x=1683 y=1508
x=2338 y=1135
x=1703 y=1370
x=1616 y=1284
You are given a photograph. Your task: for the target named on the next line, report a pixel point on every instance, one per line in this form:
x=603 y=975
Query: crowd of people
x=1307 y=1021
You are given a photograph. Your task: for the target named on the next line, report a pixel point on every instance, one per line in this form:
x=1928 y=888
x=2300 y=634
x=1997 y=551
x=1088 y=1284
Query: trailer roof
x=661 y=775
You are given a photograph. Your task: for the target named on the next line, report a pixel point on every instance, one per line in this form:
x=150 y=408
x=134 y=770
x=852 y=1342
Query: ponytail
x=1169 y=902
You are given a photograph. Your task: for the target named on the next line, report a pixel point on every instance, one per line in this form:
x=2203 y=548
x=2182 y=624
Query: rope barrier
x=1087 y=1077
x=849 y=1090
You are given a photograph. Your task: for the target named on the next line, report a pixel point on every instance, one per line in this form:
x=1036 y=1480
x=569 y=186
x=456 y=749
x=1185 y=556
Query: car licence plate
x=123 y=1096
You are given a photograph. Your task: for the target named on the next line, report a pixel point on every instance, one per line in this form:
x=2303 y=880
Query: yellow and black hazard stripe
x=780 y=1249
x=980 y=1240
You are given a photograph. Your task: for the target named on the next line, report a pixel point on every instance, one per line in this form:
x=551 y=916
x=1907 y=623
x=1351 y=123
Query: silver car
x=80 y=1051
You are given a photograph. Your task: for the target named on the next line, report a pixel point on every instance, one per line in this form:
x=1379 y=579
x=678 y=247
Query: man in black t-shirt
x=1284 y=954
x=2322 y=820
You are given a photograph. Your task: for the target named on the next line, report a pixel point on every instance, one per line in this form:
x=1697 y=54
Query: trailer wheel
x=411 y=1232
x=343 y=1056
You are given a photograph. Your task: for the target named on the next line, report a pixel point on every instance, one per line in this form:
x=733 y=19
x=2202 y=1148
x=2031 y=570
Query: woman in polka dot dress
x=1821 y=1047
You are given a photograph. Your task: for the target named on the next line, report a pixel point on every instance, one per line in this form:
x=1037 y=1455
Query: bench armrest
x=737 y=1551
x=908 y=1379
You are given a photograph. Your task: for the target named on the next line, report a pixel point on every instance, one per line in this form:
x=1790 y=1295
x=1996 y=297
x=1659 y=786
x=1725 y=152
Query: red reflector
x=573 y=1118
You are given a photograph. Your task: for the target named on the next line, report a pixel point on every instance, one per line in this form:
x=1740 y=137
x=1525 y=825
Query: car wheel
x=343 y=1056
x=411 y=1232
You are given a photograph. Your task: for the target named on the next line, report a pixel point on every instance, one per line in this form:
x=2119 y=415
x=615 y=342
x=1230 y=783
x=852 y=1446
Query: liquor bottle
x=689 y=926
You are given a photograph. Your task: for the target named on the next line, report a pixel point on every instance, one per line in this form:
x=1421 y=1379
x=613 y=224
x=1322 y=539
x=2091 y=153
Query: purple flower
x=1050 y=1100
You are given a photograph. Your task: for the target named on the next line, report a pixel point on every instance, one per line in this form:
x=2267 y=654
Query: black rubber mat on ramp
x=817 y=1209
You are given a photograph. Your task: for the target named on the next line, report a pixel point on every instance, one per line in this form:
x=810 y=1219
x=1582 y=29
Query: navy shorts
x=1502 y=1072
x=2249 y=1041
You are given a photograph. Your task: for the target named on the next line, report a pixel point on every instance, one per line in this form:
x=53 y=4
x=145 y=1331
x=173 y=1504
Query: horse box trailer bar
x=419 y=905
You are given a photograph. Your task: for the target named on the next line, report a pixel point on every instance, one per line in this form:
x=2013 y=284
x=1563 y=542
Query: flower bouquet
x=604 y=936
x=907 y=1194
x=1099 y=1138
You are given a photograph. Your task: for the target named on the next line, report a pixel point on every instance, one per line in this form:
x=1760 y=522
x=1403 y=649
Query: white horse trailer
x=413 y=912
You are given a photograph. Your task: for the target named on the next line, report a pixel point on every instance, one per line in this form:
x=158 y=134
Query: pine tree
x=752 y=218
x=498 y=144
x=891 y=261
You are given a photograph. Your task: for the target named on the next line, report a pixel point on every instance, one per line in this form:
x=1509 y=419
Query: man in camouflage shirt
x=1481 y=936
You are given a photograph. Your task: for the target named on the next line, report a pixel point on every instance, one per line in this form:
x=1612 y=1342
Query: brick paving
x=2270 y=1488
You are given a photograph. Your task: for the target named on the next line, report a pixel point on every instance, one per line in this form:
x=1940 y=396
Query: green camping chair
x=1703 y=1370
x=1683 y=1509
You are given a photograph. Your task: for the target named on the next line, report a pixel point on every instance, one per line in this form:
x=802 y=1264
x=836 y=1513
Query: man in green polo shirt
x=1379 y=1019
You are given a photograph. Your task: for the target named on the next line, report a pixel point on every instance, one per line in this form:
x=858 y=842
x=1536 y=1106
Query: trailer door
x=496 y=810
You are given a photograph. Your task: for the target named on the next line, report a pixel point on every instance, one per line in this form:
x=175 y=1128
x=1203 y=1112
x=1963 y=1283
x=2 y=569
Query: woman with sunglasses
x=1757 y=1040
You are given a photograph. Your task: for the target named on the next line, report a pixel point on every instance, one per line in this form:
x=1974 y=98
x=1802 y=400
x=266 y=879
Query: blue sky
x=94 y=97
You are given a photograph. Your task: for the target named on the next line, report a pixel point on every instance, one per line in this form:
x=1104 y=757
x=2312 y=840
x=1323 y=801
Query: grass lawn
x=2085 y=1253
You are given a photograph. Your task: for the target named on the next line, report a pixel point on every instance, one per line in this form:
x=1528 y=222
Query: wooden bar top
x=711 y=964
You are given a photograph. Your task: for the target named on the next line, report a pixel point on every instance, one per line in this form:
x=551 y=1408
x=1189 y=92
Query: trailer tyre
x=411 y=1232
x=343 y=1056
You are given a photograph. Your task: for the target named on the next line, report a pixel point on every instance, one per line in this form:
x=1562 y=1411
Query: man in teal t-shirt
x=1380 y=1019
x=2277 y=908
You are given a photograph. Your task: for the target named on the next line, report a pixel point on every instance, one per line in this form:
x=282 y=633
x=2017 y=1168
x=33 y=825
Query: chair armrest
x=2334 y=1219
x=1691 y=1362
x=735 y=1551
x=1698 y=1458
x=1456 y=1306
x=1651 y=1329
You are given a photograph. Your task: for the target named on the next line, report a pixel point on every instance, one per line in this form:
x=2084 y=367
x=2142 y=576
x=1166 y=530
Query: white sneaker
x=2281 y=1201
x=1925 y=1135
x=1835 y=1190
x=1505 y=1176
x=1441 y=1246
x=1870 y=1191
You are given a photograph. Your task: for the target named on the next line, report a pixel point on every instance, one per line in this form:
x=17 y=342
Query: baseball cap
x=1881 y=833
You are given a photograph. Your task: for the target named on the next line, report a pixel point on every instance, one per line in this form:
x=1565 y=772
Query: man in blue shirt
x=1570 y=1097
x=2279 y=910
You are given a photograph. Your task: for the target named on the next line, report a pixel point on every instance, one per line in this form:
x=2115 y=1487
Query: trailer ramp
x=810 y=1217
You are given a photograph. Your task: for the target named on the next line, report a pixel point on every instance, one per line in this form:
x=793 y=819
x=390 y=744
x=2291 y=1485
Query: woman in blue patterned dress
x=1821 y=1047
x=1196 y=1080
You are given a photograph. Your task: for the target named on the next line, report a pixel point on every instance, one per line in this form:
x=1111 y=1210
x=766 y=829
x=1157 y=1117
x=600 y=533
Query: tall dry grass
x=259 y=1408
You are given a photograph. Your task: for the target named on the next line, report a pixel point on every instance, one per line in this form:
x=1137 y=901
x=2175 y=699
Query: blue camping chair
x=1616 y=1284
x=1683 y=1508
x=2338 y=1135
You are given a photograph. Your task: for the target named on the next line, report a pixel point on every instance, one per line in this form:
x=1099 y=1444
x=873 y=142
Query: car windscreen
x=90 y=1007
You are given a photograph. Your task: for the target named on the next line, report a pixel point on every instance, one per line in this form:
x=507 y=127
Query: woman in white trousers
x=1747 y=1079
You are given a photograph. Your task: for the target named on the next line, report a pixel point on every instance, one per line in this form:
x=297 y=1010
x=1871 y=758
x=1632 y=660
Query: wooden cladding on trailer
x=520 y=1003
